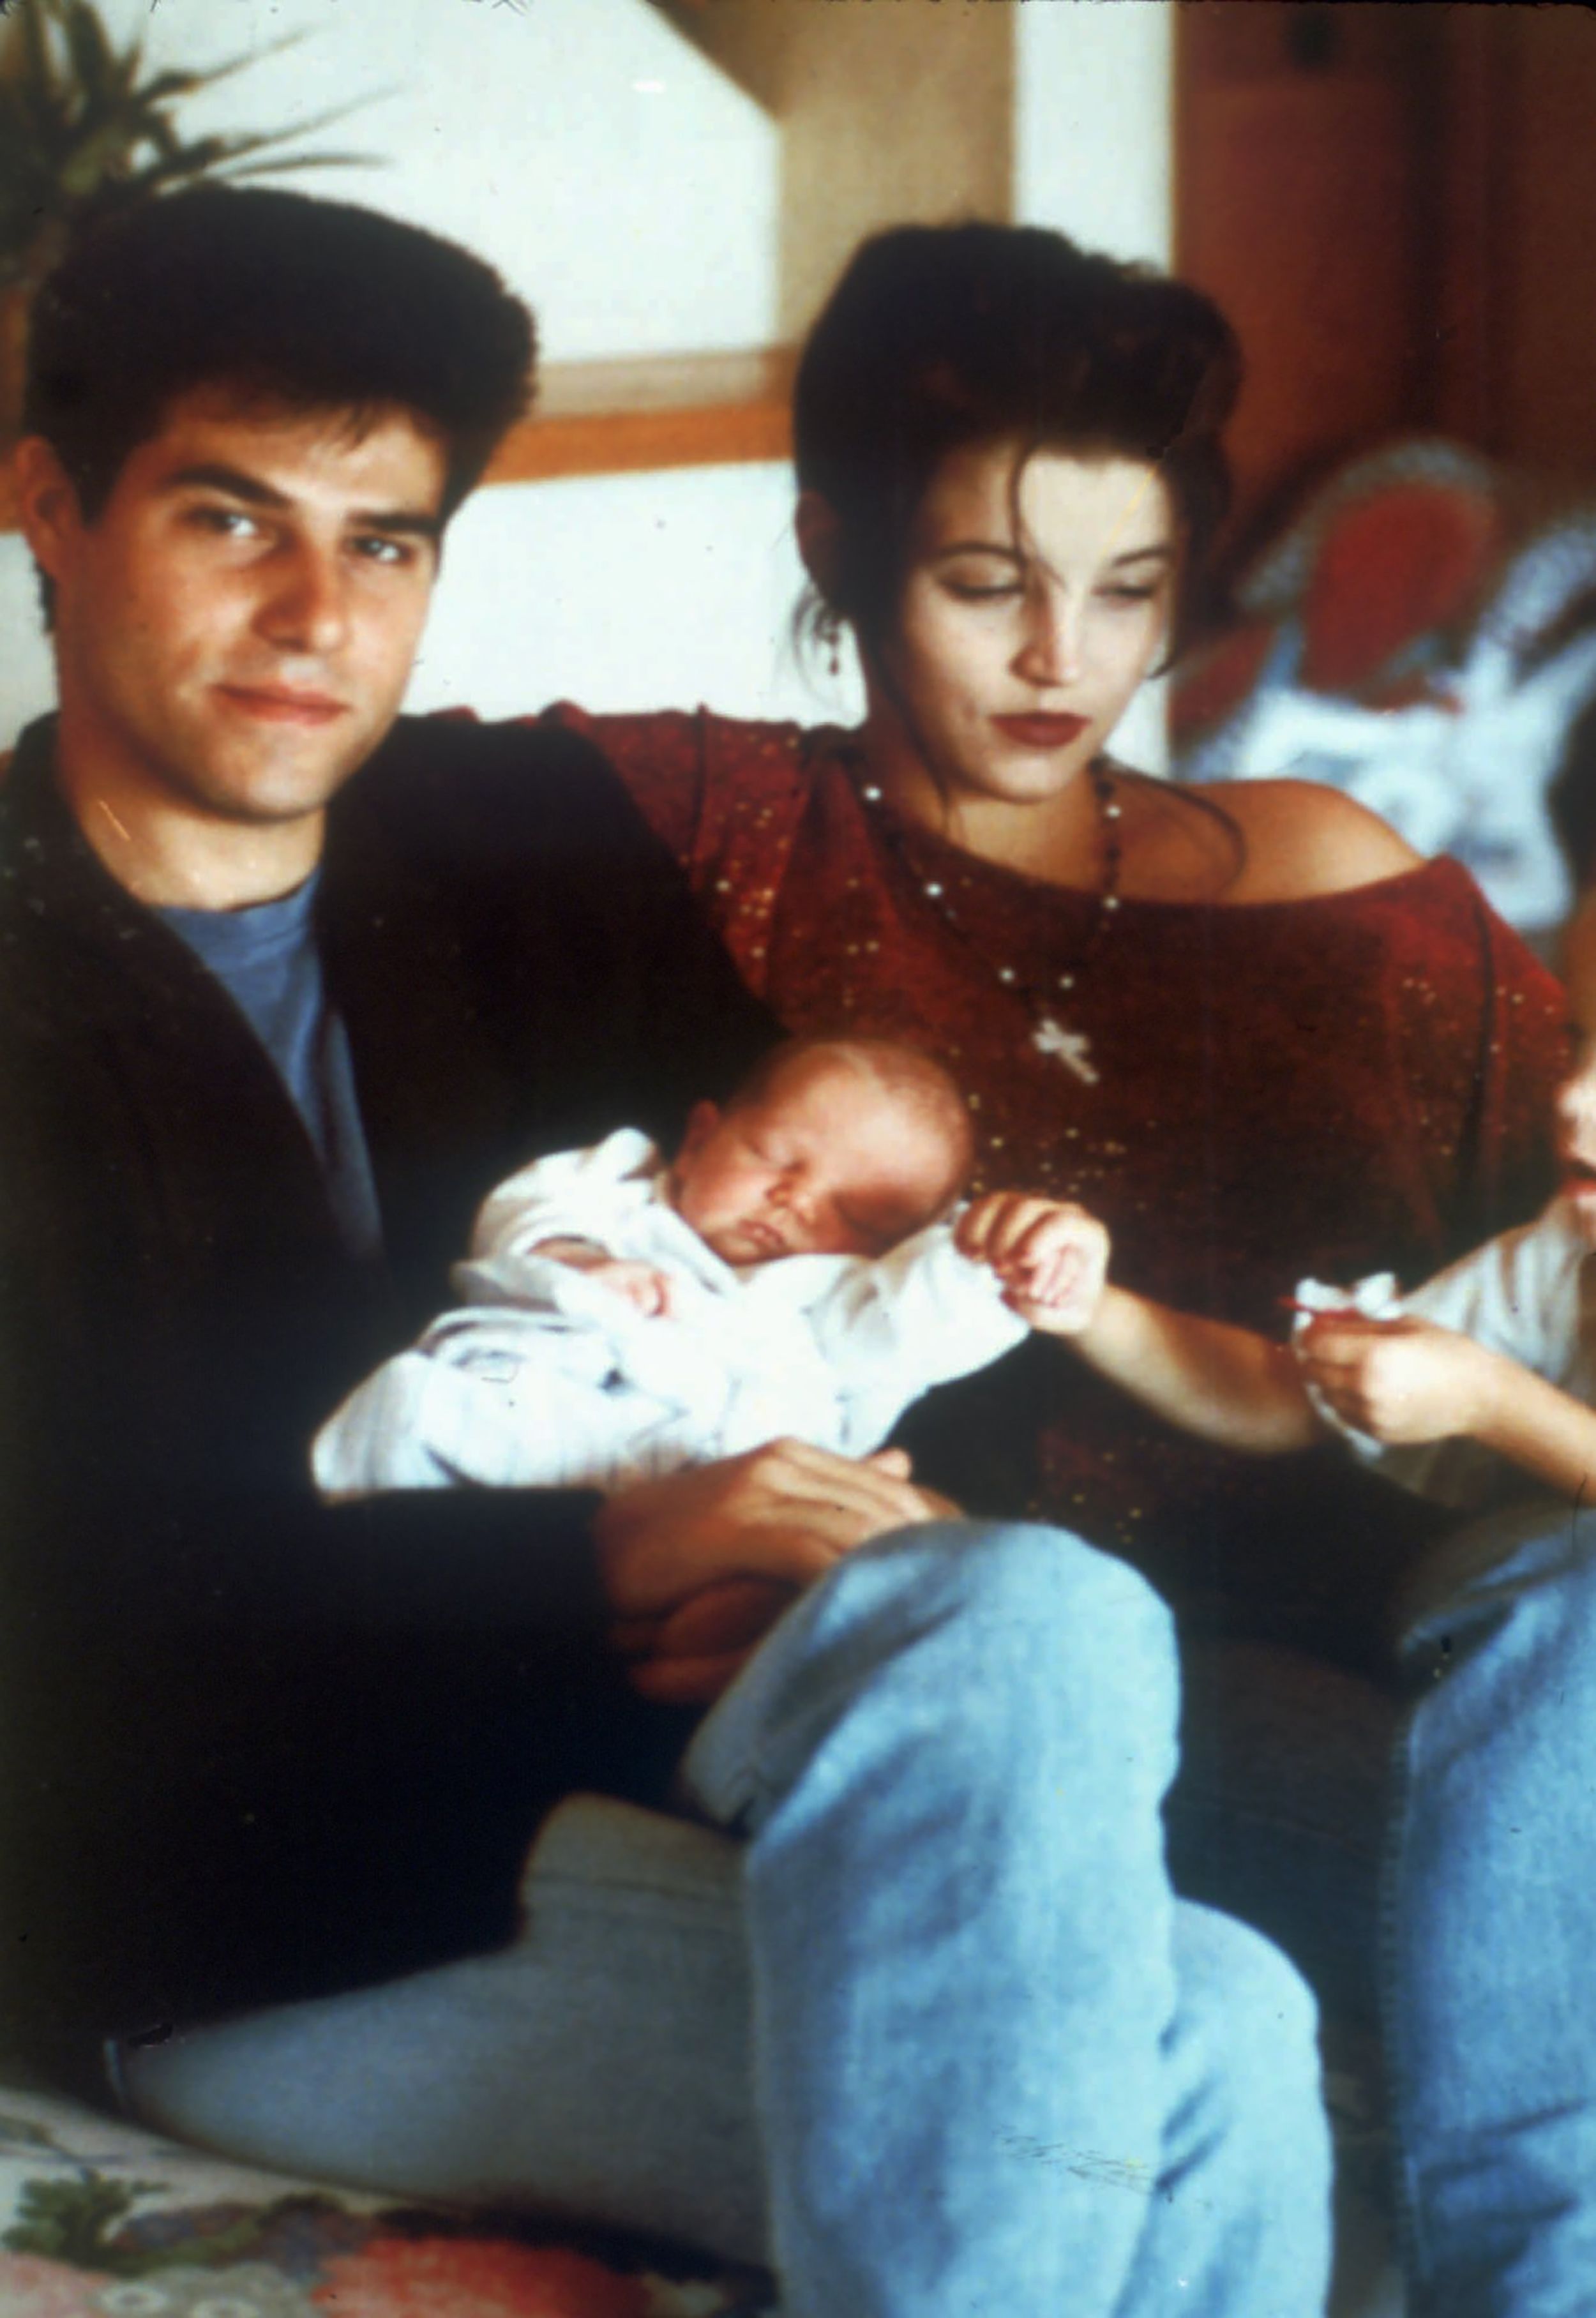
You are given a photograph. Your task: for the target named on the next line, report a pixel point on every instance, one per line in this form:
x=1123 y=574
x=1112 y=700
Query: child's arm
x=1411 y=1381
x=1222 y=1382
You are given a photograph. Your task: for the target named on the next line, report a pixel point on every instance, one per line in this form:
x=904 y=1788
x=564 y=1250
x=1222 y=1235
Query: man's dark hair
x=309 y=304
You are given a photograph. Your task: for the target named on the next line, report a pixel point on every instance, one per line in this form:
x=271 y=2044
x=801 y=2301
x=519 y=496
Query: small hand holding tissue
x=1370 y=1367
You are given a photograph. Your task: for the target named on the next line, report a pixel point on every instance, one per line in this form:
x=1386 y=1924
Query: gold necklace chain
x=1050 y=1037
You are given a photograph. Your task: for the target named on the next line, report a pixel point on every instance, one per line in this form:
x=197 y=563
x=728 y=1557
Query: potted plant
x=83 y=127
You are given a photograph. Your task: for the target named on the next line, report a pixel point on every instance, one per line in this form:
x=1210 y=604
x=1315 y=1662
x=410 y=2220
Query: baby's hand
x=1399 y=1381
x=1050 y=1256
x=651 y=1292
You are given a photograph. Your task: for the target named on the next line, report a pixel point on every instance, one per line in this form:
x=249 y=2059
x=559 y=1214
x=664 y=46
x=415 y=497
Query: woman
x=1248 y=1026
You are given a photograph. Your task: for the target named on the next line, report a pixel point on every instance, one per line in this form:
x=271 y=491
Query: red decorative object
x=32 y=2287
x=465 y=2277
x=1390 y=569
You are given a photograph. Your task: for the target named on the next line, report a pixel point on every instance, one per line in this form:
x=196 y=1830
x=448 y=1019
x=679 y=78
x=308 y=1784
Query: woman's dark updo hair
x=937 y=337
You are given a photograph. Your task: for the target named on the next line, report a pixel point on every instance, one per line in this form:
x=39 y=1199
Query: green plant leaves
x=81 y=128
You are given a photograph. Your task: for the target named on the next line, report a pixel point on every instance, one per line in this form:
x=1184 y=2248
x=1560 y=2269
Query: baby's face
x=1577 y=1097
x=826 y=1163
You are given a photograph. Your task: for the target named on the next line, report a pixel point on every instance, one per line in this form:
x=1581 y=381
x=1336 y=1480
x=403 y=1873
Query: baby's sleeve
x=892 y=1327
x=569 y=1195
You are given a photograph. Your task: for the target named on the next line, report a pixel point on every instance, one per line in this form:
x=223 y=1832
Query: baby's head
x=833 y=1146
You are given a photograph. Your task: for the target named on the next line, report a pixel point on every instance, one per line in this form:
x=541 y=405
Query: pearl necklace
x=1050 y=1036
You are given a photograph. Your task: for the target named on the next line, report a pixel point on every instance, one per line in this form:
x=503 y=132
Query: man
x=287 y=983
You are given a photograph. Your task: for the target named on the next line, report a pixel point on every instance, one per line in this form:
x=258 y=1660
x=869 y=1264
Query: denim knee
x=904 y=1639
x=1232 y=1977
x=1513 y=1598
x=1246 y=2062
x=1009 y=1577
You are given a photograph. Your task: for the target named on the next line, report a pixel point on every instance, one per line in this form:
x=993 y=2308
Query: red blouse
x=1336 y=1085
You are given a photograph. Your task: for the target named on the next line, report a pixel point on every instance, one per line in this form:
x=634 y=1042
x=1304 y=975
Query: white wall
x=619 y=182
x=626 y=592
x=26 y=685
x=1093 y=135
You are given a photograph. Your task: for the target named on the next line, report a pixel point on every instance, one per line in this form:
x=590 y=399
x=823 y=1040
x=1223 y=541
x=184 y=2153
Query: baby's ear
x=702 y=1122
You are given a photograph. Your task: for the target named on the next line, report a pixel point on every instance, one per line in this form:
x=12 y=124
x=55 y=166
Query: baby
x=786 y=1274
x=1483 y=1377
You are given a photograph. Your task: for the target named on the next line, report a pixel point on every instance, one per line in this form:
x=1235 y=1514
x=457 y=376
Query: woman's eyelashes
x=1010 y=586
x=983 y=591
x=985 y=579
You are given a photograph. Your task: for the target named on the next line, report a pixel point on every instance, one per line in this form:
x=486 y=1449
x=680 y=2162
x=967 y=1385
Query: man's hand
x=1402 y=1382
x=781 y=1515
x=651 y=1291
x=1050 y=1256
x=689 y=1657
x=786 y=1511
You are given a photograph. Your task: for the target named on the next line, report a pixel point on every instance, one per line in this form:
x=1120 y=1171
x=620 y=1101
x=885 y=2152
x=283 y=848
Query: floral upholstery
x=100 y=2219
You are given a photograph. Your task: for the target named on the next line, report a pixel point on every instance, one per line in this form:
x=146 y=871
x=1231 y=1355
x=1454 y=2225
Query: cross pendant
x=1071 y=1048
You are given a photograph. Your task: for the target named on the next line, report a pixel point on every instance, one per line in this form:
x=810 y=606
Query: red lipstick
x=1038 y=731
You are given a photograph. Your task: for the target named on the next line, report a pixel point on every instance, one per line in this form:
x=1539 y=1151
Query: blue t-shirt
x=265 y=957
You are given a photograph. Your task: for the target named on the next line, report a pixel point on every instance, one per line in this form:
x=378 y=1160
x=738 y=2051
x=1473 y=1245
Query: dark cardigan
x=253 y=1747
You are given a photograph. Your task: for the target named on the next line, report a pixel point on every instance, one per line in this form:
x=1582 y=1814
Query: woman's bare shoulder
x=1302 y=839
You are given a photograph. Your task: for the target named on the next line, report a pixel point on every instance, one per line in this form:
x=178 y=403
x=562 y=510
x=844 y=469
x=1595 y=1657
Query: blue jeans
x=935 y=2038
x=1491 y=1923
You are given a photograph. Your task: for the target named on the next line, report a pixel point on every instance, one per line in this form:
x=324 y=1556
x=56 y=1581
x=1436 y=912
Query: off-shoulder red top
x=1336 y=1085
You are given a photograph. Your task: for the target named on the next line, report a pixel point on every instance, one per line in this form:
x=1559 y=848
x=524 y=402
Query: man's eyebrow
x=399 y=523
x=239 y=483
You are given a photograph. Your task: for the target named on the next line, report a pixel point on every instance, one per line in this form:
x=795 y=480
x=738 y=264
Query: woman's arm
x=1302 y=838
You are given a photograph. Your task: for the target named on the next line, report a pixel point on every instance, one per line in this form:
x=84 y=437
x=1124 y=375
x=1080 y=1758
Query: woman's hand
x=1402 y=1382
x=1050 y=1256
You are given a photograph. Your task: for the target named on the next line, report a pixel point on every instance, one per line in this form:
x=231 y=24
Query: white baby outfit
x=544 y=1377
x=1531 y=1295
